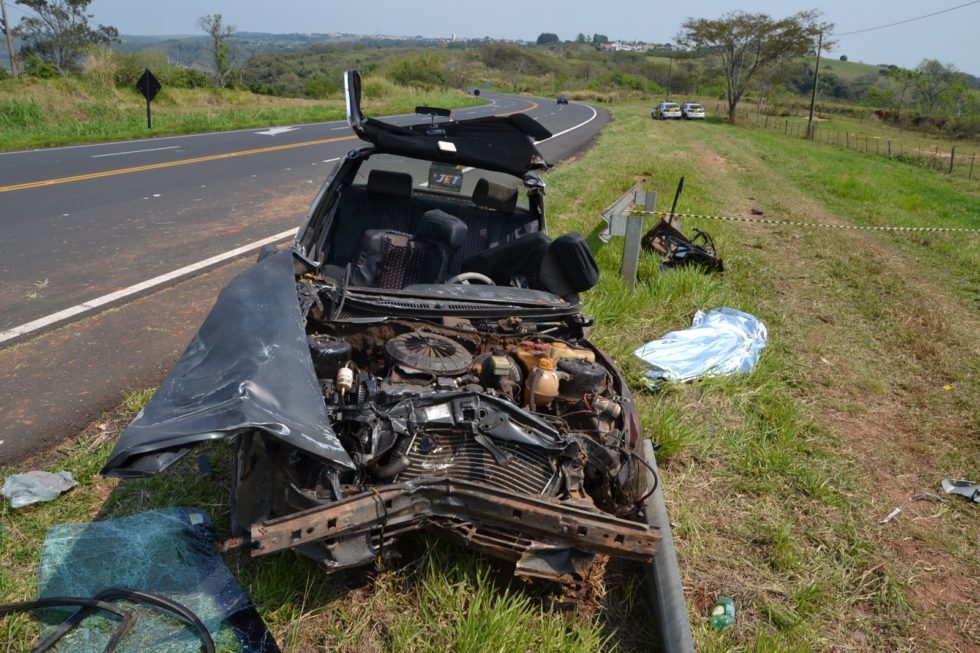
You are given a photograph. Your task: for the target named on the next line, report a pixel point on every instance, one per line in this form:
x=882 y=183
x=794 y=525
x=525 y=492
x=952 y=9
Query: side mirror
x=352 y=97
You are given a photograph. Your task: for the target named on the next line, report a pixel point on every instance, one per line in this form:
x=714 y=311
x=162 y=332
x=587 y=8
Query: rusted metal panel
x=428 y=502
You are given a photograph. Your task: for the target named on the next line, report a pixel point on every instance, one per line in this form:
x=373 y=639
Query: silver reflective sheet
x=721 y=341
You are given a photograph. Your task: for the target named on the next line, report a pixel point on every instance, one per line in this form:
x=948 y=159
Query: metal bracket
x=622 y=221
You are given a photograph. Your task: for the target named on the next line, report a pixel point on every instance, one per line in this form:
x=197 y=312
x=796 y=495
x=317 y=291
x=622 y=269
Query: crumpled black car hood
x=248 y=367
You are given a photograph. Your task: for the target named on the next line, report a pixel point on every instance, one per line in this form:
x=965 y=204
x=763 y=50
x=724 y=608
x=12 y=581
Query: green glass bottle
x=723 y=614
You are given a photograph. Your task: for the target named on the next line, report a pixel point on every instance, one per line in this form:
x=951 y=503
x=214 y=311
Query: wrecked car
x=417 y=359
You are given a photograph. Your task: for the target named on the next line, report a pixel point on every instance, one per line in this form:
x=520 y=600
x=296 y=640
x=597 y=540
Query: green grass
x=775 y=480
x=869 y=136
x=45 y=113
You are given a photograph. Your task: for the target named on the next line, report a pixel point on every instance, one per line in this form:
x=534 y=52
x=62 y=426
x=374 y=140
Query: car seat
x=394 y=259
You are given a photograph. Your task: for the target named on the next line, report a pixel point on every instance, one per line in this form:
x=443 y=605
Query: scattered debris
x=968 y=489
x=101 y=602
x=721 y=341
x=723 y=614
x=36 y=487
x=892 y=515
x=677 y=250
x=169 y=553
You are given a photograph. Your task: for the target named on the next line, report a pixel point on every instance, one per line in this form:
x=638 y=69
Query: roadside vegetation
x=776 y=481
x=68 y=110
x=79 y=78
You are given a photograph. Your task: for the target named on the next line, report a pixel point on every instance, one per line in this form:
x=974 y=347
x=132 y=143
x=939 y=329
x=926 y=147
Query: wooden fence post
x=889 y=148
x=972 y=159
x=952 y=158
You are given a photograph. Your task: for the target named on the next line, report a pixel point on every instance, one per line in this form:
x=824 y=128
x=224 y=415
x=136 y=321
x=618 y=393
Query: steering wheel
x=470 y=277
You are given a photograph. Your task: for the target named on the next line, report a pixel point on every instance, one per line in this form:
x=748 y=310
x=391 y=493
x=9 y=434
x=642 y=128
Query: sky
x=951 y=38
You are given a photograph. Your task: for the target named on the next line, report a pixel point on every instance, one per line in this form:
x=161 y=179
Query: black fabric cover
x=568 y=266
x=386 y=182
x=495 y=196
x=494 y=143
x=248 y=367
x=503 y=262
x=442 y=229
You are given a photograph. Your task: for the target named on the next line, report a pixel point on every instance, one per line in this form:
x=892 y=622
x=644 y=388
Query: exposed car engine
x=536 y=415
x=472 y=430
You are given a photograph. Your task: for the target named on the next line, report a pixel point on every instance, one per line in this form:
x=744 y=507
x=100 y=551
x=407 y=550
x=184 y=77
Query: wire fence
x=951 y=160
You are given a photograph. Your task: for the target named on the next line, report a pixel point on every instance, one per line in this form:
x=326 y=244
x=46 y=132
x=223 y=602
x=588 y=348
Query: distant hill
x=192 y=49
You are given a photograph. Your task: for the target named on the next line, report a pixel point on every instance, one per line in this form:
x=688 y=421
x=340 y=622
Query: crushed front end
x=454 y=426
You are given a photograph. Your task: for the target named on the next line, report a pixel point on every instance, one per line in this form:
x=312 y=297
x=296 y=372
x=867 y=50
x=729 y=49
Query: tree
x=219 y=33
x=904 y=80
x=59 y=32
x=547 y=38
x=843 y=57
x=581 y=38
x=933 y=83
x=752 y=44
x=599 y=39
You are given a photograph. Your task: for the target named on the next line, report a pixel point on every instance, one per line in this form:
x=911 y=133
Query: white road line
x=98 y=302
x=337 y=129
x=155 y=138
x=152 y=149
x=581 y=124
x=181 y=136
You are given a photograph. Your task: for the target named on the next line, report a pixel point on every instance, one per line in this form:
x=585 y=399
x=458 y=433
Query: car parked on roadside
x=417 y=359
x=666 y=110
x=692 y=111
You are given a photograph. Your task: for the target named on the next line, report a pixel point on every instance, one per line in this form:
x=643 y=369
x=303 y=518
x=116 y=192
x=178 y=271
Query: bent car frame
x=417 y=359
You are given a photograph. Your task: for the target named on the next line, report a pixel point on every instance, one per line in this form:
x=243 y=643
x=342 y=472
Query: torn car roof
x=499 y=143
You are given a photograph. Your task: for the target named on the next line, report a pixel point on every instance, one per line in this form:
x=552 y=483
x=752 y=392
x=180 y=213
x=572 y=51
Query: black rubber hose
x=102 y=602
x=663 y=575
x=399 y=463
x=162 y=602
x=87 y=606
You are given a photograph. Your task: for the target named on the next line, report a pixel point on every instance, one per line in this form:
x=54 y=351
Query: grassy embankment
x=775 y=481
x=65 y=111
x=858 y=130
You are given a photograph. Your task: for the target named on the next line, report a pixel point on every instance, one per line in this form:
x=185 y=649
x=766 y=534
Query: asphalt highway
x=77 y=223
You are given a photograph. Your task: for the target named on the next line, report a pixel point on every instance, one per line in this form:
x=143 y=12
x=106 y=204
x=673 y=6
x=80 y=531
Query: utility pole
x=816 y=79
x=10 y=38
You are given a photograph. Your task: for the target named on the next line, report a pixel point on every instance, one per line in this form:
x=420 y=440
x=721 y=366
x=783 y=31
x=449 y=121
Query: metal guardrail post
x=632 y=237
x=663 y=575
x=623 y=221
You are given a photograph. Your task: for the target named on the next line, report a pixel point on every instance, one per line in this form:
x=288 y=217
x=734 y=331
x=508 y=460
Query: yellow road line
x=199 y=159
x=169 y=164
x=534 y=105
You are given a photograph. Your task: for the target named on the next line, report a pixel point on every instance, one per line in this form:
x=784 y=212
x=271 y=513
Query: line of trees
x=58 y=38
x=58 y=33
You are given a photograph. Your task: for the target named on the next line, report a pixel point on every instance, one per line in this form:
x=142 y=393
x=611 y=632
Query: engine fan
x=429 y=352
